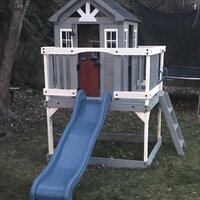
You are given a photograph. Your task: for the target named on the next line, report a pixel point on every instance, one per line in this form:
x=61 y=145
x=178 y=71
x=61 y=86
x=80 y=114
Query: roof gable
x=119 y=13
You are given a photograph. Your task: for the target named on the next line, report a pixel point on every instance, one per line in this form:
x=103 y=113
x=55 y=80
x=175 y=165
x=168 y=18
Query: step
x=170 y=109
x=175 y=127
x=181 y=142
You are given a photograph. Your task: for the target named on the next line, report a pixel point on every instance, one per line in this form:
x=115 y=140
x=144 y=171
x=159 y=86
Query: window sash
x=126 y=38
x=66 y=39
x=111 y=38
x=134 y=37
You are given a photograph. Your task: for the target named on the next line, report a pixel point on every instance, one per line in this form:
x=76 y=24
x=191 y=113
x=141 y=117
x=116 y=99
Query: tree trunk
x=19 y=8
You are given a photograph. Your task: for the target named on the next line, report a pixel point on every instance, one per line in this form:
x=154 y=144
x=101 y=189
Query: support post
x=46 y=71
x=161 y=67
x=146 y=135
x=50 y=112
x=148 y=65
x=160 y=88
x=144 y=116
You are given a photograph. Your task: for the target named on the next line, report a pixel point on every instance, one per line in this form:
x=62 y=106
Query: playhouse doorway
x=89 y=79
x=89 y=67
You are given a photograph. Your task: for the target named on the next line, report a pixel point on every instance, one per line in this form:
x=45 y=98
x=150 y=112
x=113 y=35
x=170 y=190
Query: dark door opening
x=89 y=67
x=88 y=36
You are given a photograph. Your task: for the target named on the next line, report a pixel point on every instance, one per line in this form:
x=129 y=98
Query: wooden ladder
x=172 y=122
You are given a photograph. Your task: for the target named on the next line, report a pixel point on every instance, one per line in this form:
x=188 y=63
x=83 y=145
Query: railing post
x=161 y=68
x=147 y=84
x=160 y=87
x=46 y=71
x=148 y=65
x=146 y=135
x=48 y=110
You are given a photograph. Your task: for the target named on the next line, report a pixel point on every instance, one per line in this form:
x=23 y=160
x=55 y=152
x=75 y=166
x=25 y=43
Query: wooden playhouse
x=96 y=49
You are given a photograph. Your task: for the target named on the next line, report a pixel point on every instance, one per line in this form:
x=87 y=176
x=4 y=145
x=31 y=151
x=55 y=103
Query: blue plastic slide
x=58 y=179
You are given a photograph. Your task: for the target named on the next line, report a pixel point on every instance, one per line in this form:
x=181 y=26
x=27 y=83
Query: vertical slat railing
x=125 y=74
x=134 y=72
x=64 y=66
x=46 y=72
x=57 y=66
x=143 y=76
x=154 y=71
x=141 y=72
x=148 y=72
x=51 y=71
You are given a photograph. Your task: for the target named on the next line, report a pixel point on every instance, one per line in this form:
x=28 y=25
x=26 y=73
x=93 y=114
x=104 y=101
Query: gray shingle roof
x=120 y=13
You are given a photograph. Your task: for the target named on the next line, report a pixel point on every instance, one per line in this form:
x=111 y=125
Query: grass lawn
x=23 y=144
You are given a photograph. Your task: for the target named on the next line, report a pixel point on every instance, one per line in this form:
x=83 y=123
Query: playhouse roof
x=120 y=13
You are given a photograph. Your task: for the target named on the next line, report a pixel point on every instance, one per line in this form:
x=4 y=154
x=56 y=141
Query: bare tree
x=18 y=10
x=171 y=6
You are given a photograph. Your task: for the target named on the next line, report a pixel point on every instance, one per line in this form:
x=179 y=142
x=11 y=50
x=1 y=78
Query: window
x=135 y=37
x=111 y=38
x=66 y=39
x=126 y=38
x=132 y=36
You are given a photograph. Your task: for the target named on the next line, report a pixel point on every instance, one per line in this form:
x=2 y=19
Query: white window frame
x=111 y=40
x=135 y=34
x=126 y=38
x=68 y=32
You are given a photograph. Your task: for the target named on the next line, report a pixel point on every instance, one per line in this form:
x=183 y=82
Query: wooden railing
x=137 y=72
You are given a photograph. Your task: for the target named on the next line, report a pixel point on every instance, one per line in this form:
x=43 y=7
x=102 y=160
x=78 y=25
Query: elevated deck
x=134 y=76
